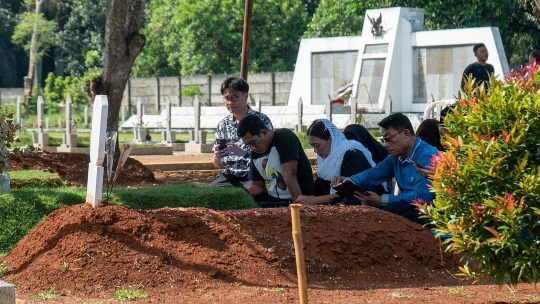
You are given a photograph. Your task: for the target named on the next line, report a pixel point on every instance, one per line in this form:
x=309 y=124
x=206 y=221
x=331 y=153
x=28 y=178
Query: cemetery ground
x=80 y=254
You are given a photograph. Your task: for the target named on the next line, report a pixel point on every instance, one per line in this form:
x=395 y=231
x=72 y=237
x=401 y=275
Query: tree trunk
x=32 y=59
x=536 y=9
x=123 y=43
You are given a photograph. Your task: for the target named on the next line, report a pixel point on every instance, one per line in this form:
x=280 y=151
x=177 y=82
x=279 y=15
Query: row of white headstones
x=70 y=138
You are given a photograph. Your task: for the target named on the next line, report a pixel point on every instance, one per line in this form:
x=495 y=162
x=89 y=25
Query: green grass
x=22 y=209
x=401 y=294
x=3 y=268
x=47 y=295
x=127 y=294
x=22 y=174
x=218 y=198
x=34 y=179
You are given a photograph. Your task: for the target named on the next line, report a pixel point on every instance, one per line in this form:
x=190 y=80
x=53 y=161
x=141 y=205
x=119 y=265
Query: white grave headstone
x=86 y=115
x=298 y=126
x=19 y=113
x=139 y=133
x=40 y=104
x=94 y=189
x=328 y=109
x=258 y=104
x=69 y=140
x=168 y=136
x=197 y=118
x=40 y=139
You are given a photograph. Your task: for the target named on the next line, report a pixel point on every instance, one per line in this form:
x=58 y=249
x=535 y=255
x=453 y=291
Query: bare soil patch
x=195 y=255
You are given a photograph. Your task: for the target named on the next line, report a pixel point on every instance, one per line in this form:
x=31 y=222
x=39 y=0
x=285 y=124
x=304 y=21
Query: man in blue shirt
x=406 y=150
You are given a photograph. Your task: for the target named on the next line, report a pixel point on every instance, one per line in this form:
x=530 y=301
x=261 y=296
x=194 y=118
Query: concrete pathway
x=183 y=161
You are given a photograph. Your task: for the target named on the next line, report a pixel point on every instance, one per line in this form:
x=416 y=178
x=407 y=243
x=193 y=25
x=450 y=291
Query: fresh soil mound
x=84 y=251
x=73 y=167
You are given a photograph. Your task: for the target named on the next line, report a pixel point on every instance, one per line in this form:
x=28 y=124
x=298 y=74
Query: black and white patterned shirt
x=237 y=165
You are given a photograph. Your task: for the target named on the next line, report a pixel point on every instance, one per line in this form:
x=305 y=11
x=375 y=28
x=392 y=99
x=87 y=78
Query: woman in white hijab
x=336 y=156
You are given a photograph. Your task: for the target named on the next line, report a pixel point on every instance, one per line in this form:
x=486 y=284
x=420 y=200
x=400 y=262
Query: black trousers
x=229 y=180
x=265 y=200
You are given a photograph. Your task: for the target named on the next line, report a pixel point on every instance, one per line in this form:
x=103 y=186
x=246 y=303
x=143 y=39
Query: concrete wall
x=269 y=88
x=8 y=96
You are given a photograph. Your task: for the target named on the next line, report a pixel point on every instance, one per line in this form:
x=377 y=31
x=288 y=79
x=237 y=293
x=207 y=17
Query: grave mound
x=84 y=251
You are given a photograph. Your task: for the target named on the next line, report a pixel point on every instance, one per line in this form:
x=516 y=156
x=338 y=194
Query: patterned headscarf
x=330 y=166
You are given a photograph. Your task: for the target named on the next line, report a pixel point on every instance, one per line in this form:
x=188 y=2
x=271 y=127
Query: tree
x=36 y=35
x=81 y=34
x=211 y=35
x=311 y=6
x=123 y=43
x=338 y=18
x=12 y=58
x=205 y=36
x=160 y=56
x=536 y=9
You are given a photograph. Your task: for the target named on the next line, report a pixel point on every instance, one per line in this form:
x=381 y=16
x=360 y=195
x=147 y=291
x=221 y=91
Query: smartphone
x=222 y=142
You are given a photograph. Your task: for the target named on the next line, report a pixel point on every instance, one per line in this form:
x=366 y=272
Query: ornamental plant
x=487 y=183
x=9 y=131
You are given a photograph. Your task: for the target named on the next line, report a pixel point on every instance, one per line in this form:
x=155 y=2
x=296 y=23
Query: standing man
x=480 y=70
x=534 y=57
x=280 y=170
x=230 y=153
x=406 y=152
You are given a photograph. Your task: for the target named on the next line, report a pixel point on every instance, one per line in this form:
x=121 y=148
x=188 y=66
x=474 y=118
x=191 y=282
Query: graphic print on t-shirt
x=269 y=166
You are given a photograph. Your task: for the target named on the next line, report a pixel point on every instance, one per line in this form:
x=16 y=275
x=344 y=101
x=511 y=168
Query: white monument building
x=394 y=66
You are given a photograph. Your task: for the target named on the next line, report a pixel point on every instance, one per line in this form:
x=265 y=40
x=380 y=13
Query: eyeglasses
x=387 y=139
x=232 y=98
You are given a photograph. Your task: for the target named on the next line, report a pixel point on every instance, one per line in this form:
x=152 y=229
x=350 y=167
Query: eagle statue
x=376 y=27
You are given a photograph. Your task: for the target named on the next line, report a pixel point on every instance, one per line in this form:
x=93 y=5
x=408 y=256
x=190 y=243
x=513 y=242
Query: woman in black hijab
x=428 y=131
x=362 y=135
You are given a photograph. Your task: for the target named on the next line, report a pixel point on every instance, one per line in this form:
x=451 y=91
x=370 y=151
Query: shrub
x=487 y=183
x=9 y=133
x=192 y=91
x=57 y=88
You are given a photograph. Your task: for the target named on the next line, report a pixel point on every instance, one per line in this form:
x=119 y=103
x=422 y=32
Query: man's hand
x=218 y=157
x=336 y=180
x=234 y=149
x=426 y=172
x=289 y=174
x=371 y=200
x=230 y=149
